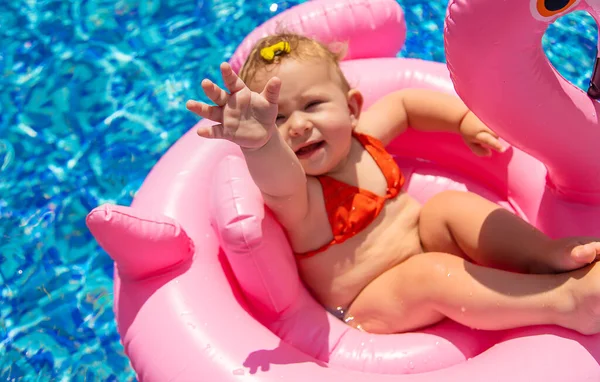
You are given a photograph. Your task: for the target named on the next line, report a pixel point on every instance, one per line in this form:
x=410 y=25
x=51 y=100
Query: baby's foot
x=572 y=253
x=582 y=307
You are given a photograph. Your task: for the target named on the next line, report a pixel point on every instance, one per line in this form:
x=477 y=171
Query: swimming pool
x=93 y=93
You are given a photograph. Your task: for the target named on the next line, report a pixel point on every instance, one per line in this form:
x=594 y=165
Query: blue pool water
x=92 y=93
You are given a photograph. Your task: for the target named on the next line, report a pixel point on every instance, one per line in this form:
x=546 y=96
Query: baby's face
x=316 y=114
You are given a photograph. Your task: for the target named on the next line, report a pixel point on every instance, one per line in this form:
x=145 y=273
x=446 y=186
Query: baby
x=368 y=251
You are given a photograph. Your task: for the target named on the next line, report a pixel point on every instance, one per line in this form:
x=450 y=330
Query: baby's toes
x=587 y=252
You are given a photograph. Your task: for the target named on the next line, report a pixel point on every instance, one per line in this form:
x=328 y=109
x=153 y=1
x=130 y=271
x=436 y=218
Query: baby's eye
x=280 y=118
x=312 y=104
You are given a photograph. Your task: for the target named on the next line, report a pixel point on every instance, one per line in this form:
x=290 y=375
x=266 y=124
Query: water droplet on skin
x=463 y=309
x=448 y=274
x=437 y=343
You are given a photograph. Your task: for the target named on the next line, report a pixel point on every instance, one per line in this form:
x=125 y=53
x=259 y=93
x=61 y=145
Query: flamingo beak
x=594 y=88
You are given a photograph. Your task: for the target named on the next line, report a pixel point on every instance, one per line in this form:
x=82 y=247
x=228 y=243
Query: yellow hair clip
x=270 y=52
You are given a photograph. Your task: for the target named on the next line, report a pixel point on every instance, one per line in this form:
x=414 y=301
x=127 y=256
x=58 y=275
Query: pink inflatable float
x=206 y=288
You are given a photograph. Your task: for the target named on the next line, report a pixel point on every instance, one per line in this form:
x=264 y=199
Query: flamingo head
x=549 y=10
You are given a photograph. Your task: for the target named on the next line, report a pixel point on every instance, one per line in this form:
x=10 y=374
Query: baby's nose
x=299 y=126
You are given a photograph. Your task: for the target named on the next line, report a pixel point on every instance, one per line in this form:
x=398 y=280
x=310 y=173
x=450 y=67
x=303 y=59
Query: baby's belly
x=337 y=275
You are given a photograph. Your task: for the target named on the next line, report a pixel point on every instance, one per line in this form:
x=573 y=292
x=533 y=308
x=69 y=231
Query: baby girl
x=367 y=250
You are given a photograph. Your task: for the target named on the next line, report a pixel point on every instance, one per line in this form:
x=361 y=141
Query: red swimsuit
x=351 y=209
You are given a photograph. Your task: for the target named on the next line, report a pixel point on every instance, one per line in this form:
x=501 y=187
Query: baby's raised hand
x=480 y=139
x=245 y=117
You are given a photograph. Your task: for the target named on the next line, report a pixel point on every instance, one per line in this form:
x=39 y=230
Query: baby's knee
x=436 y=208
x=442 y=200
x=434 y=227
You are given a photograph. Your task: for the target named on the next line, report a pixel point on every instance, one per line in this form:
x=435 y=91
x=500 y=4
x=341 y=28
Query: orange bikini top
x=351 y=209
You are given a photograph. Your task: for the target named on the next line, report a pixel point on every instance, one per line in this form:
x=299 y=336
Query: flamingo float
x=206 y=287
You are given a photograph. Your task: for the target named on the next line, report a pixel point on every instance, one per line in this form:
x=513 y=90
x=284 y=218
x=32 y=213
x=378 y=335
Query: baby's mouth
x=306 y=150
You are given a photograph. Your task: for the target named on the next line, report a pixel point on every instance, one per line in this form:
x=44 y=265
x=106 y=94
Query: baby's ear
x=339 y=49
x=355 y=103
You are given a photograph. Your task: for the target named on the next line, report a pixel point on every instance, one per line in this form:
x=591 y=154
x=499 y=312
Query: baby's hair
x=300 y=47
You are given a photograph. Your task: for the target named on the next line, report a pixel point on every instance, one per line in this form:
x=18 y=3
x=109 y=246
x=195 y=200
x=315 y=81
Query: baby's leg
x=430 y=286
x=467 y=225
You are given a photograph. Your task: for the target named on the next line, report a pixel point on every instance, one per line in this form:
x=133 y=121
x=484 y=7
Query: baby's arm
x=430 y=111
x=278 y=174
x=421 y=109
x=247 y=119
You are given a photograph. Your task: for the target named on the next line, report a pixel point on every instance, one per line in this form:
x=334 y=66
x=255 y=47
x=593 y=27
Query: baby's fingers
x=232 y=82
x=214 y=93
x=489 y=140
x=479 y=150
x=214 y=113
x=215 y=131
x=271 y=91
